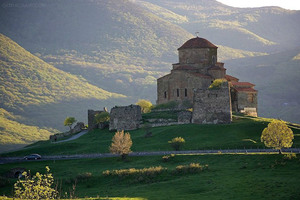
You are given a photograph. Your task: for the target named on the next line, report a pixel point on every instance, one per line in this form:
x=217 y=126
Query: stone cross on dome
x=197 y=34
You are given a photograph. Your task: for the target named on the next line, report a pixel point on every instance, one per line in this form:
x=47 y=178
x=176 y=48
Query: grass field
x=242 y=133
x=228 y=177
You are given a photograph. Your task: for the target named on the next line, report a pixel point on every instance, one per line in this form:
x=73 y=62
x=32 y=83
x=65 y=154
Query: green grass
x=242 y=133
x=228 y=177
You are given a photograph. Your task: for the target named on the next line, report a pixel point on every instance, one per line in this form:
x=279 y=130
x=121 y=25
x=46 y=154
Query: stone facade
x=198 y=67
x=125 y=117
x=185 y=117
x=212 y=106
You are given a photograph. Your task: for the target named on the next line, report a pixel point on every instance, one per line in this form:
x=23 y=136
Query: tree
x=121 y=144
x=102 y=117
x=177 y=143
x=145 y=105
x=36 y=187
x=277 y=135
x=69 y=121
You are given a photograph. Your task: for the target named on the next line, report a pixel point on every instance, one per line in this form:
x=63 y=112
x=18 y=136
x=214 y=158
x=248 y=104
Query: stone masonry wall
x=91 y=117
x=212 y=106
x=125 y=117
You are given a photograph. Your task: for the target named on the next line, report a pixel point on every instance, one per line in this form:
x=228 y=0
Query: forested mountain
x=267 y=29
x=90 y=53
x=41 y=93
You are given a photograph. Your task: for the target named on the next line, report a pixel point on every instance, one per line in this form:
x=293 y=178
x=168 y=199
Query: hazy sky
x=287 y=4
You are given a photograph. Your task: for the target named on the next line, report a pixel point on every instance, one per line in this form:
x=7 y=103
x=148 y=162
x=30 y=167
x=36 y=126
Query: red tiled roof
x=196 y=43
x=231 y=78
x=245 y=90
x=220 y=64
x=200 y=75
x=184 y=68
x=242 y=84
x=216 y=68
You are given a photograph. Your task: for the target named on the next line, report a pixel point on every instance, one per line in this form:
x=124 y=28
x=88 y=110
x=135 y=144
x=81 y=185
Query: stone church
x=198 y=67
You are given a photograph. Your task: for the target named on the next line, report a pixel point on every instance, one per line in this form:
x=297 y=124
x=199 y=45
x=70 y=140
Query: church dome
x=196 y=43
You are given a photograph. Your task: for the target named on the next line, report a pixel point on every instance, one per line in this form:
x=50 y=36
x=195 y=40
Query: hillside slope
x=14 y=134
x=266 y=29
x=28 y=80
x=42 y=94
x=277 y=79
x=116 y=45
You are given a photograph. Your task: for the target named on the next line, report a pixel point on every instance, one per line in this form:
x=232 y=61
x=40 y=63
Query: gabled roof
x=231 y=78
x=242 y=84
x=246 y=90
x=196 y=43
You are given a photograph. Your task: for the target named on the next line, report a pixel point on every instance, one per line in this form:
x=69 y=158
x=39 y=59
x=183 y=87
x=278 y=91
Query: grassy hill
x=229 y=176
x=243 y=133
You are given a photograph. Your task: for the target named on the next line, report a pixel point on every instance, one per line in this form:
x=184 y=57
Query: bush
x=191 y=168
x=36 y=187
x=166 y=158
x=139 y=175
x=84 y=176
x=177 y=143
x=217 y=83
x=146 y=105
x=289 y=156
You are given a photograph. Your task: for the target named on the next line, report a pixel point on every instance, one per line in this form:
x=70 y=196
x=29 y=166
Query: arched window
x=214 y=59
x=177 y=92
x=165 y=94
x=185 y=92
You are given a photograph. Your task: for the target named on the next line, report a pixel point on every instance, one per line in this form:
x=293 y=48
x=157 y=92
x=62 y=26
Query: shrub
x=146 y=105
x=84 y=176
x=102 y=117
x=289 y=156
x=217 y=83
x=36 y=187
x=177 y=143
x=121 y=144
x=139 y=175
x=191 y=168
x=166 y=158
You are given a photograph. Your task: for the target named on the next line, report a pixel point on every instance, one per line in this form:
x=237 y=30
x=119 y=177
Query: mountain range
x=60 y=58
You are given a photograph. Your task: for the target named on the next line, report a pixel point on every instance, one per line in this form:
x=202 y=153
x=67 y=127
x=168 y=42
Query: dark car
x=33 y=157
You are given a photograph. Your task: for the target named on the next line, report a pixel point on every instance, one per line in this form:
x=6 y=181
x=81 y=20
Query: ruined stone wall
x=212 y=106
x=179 y=86
x=247 y=101
x=91 y=117
x=125 y=117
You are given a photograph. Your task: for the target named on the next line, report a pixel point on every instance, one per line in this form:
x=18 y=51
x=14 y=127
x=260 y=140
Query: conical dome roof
x=196 y=43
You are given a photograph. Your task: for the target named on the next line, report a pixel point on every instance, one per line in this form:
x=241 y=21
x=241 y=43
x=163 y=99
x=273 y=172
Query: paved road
x=154 y=153
x=74 y=136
